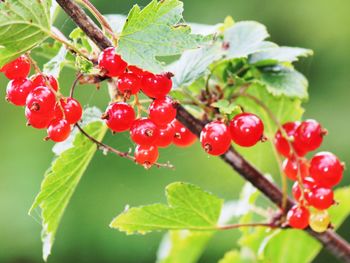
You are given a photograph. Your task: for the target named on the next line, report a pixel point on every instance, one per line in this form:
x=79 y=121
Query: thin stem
x=71 y=93
x=234 y=226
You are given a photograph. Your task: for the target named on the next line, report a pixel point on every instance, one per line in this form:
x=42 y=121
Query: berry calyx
x=215 y=138
x=42 y=101
x=58 y=130
x=246 y=129
x=293 y=166
x=17 y=69
x=166 y=135
x=146 y=155
x=111 y=62
x=309 y=135
x=18 y=90
x=129 y=84
x=321 y=198
x=46 y=80
x=72 y=110
x=162 y=111
x=319 y=221
x=281 y=143
x=156 y=86
x=183 y=137
x=119 y=116
x=144 y=132
x=326 y=169
x=298 y=217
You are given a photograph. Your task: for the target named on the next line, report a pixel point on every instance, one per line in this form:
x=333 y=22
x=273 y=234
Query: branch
x=331 y=241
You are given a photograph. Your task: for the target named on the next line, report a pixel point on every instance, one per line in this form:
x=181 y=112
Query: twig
x=234 y=226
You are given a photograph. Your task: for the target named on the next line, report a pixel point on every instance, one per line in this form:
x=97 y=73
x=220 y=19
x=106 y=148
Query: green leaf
x=246 y=38
x=285 y=81
x=225 y=107
x=23 y=25
x=55 y=65
x=155 y=32
x=231 y=257
x=279 y=54
x=188 y=207
x=61 y=180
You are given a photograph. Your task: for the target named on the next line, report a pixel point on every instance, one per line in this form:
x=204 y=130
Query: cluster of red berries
x=314 y=179
x=44 y=107
x=159 y=128
x=245 y=129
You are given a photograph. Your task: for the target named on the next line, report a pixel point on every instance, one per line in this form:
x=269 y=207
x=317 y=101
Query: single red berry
x=162 y=111
x=42 y=101
x=292 y=167
x=37 y=120
x=326 y=169
x=166 y=135
x=17 y=91
x=156 y=86
x=111 y=62
x=298 y=217
x=17 y=69
x=129 y=83
x=309 y=136
x=246 y=129
x=46 y=80
x=58 y=130
x=119 y=116
x=308 y=185
x=215 y=138
x=144 y=132
x=137 y=70
x=146 y=155
x=183 y=136
x=281 y=143
x=72 y=110
x=321 y=198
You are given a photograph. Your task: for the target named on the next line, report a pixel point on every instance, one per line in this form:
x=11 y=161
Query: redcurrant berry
x=37 y=120
x=162 y=111
x=321 y=198
x=281 y=143
x=45 y=80
x=215 y=138
x=319 y=221
x=246 y=129
x=42 y=101
x=17 y=69
x=137 y=70
x=146 y=155
x=111 y=62
x=17 y=91
x=58 y=130
x=129 y=83
x=119 y=116
x=183 y=136
x=72 y=110
x=292 y=167
x=166 y=135
x=156 y=86
x=144 y=132
x=308 y=185
x=298 y=217
x=308 y=136
x=326 y=169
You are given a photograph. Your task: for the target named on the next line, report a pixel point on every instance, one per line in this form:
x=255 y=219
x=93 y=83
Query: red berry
x=308 y=185
x=298 y=217
x=72 y=110
x=146 y=155
x=119 y=116
x=166 y=135
x=137 y=70
x=58 y=130
x=156 y=86
x=17 y=91
x=129 y=83
x=17 y=69
x=292 y=166
x=281 y=143
x=246 y=129
x=144 y=132
x=162 y=111
x=111 y=62
x=42 y=101
x=215 y=138
x=37 y=120
x=46 y=80
x=321 y=198
x=326 y=169
x=183 y=136
x=308 y=136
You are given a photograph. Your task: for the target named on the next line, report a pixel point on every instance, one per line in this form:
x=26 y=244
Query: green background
x=111 y=182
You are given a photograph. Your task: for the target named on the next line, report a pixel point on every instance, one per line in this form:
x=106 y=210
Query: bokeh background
x=110 y=183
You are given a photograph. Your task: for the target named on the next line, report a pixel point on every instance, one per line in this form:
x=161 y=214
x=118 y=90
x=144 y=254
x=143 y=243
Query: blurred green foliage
x=110 y=182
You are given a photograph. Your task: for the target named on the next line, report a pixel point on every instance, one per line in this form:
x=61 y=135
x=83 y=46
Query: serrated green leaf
x=61 y=180
x=285 y=81
x=188 y=207
x=232 y=256
x=23 y=25
x=225 y=107
x=154 y=32
x=55 y=65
